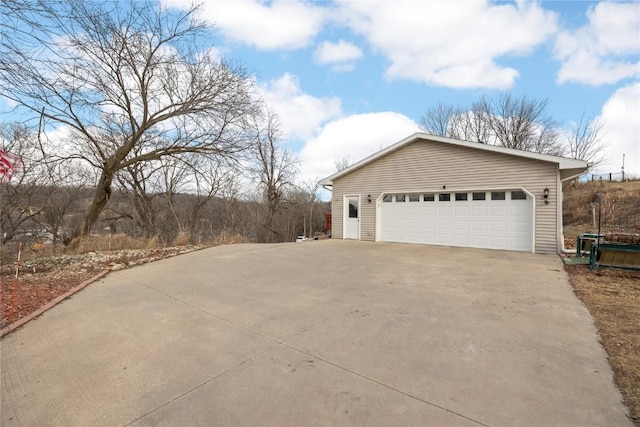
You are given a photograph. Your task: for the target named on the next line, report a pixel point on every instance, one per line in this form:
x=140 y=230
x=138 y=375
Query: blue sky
x=348 y=78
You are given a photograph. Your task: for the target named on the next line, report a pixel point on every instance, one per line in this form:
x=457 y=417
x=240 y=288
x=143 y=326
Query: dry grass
x=116 y=242
x=613 y=299
x=229 y=239
x=102 y=243
x=620 y=210
x=98 y=243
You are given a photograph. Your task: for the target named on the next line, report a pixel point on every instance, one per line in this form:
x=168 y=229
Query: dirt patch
x=42 y=280
x=613 y=298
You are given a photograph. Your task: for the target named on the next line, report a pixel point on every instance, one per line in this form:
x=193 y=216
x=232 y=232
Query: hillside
x=620 y=208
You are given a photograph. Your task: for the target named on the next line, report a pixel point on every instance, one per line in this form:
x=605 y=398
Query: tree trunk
x=100 y=199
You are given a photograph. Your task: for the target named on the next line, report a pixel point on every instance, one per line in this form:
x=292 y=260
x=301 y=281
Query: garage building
x=433 y=190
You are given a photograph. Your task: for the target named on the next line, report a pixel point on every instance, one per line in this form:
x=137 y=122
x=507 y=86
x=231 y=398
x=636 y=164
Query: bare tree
x=66 y=194
x=457 y=122
x=207 y=176
x=439 y=120
x=309 y=189
x=25 y=196
x=231 y=208
x=274 y=167
x=472 y=125
x=132 y=83
x=521 y=123
x=586 y=141
x=343 y=163
x=138 y=184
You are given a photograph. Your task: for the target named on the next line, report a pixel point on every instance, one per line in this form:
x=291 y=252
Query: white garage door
x=481 y=219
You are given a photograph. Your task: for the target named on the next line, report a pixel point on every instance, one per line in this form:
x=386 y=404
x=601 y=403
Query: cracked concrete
x=317 y=333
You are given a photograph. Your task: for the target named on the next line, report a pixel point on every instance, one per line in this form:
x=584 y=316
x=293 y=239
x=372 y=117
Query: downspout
x=565 y=251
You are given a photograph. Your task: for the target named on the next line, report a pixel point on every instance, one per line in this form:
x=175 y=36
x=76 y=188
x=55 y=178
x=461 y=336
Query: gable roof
x=569 y=168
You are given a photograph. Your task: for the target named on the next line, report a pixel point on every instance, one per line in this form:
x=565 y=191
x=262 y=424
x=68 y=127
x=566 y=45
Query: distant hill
x=620 y=207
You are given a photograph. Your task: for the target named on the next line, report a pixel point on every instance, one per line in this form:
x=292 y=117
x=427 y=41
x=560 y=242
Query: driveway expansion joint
x=218 y=375
x=404 y=393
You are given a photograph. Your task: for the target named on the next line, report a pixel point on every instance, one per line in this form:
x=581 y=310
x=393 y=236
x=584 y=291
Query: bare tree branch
x=585 y=142
x=274 y=167
x=132 y=81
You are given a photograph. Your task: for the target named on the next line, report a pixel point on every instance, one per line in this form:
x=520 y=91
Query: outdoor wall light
x=545 y=195
x=369 y=198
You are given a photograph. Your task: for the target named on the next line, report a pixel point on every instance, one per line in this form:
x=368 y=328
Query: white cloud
x=300 y=114
x=343 y=53
x=450 y=43
x=604 y=50
x=281 y=24
x=6 y=103
x=343 y=68
x=355 y=137
x=621 y=126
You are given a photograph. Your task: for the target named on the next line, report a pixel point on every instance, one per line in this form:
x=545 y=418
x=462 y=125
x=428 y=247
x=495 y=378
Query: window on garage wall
x=428 y=197
x=444 y=197
x=400 y=197
x=498 y=195
x=461 y=197
x=479 y=196
x=518 y=195
x=414 y=197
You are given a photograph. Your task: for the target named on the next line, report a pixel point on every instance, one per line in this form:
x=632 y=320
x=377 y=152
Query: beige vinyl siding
x=427 y=166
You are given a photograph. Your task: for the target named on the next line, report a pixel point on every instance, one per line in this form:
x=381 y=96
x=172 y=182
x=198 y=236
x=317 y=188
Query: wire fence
x=611 y=176
x=616 y=217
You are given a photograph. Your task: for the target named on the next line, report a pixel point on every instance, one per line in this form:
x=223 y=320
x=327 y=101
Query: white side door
x=352 y=217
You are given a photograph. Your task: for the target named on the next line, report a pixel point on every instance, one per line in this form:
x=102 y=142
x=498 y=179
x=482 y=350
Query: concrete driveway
x=316 y=333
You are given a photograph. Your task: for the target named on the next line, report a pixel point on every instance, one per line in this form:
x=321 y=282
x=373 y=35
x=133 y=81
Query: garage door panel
x=478 y=226
x=445 y=239
x=414 y=223
x=495 y=224
x=429 y=238
x=445 y=225
x=414 y=237
x=479 y=241
x=520 y=243
x=481 y=211
x=462 y=226
x=429 y=225
x=461 y=239
x=428 y=211
x=412 y=209
x=500 y=211
x=399 y=210
x=461 y=211
x=444 y=211
x=497 y=242
x=519 y=227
